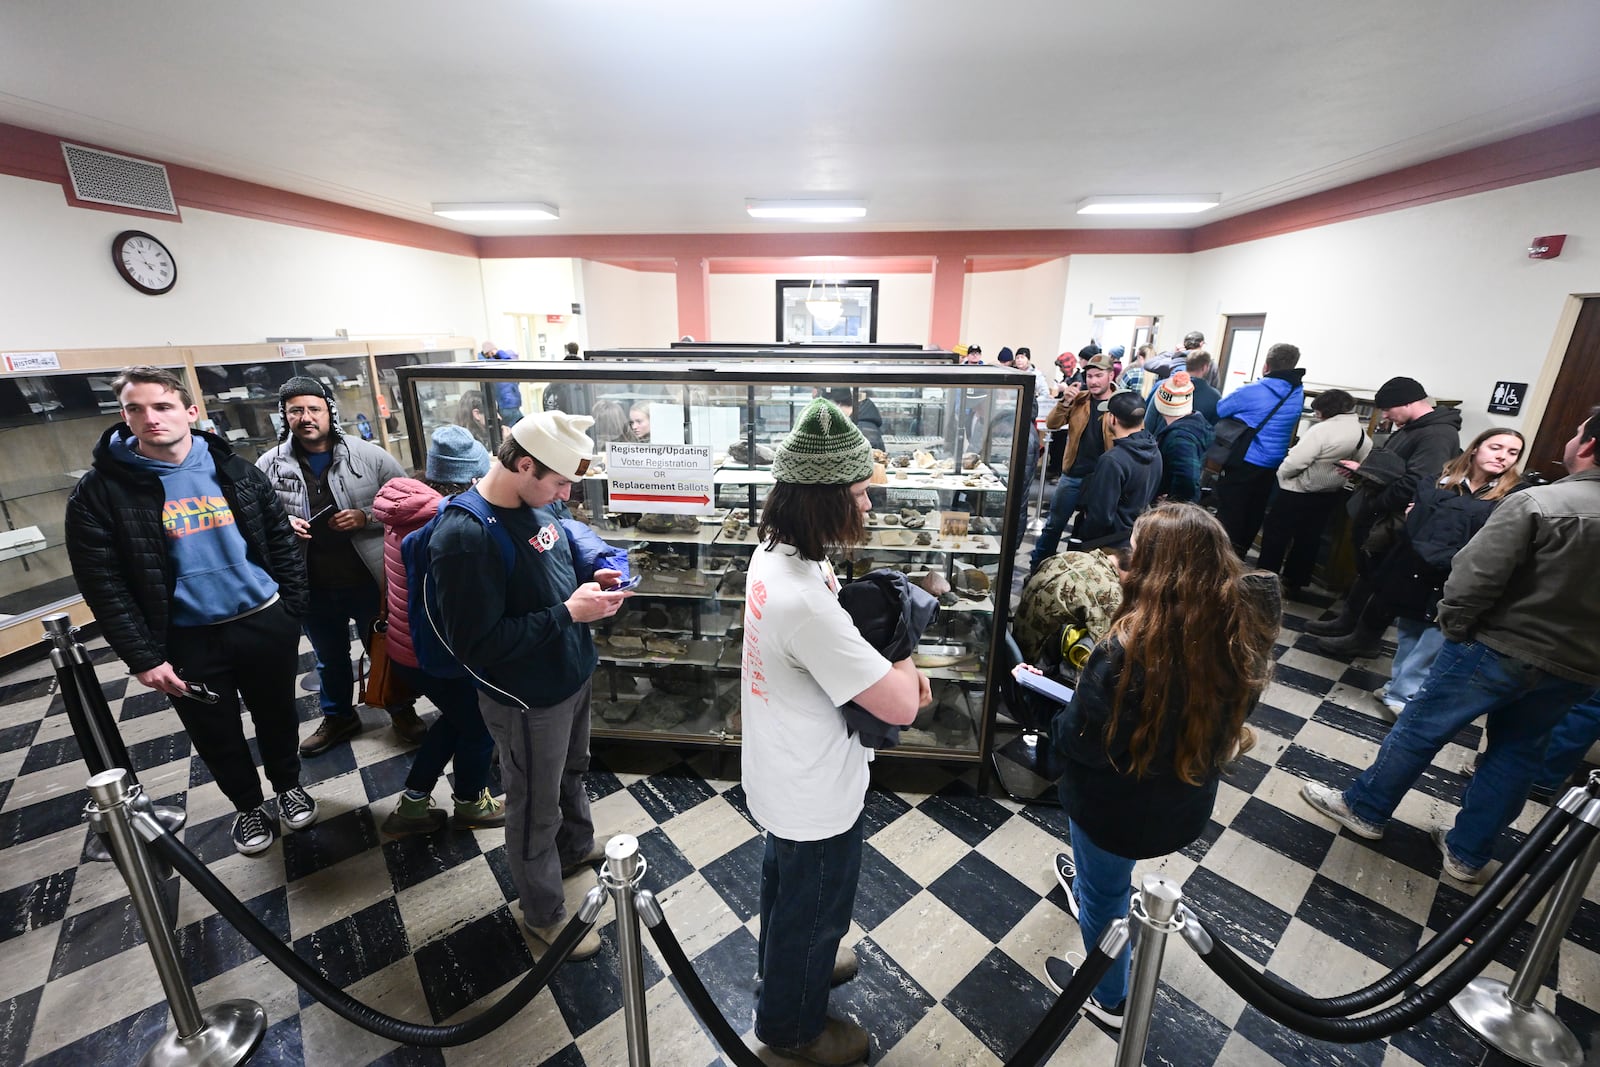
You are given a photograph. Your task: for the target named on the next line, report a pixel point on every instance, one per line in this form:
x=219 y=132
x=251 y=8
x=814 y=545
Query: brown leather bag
x=380 y=685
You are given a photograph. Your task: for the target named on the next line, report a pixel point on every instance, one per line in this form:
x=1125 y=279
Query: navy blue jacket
x=1124 y=482
x=1183 y=448
x=1251 y=403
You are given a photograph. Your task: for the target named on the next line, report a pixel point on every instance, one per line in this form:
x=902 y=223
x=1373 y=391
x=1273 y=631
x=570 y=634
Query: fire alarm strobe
x=1547 y=247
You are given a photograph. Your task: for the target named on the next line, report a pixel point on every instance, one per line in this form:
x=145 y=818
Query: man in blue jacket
x=507 y=395
x=1271 y=405
x=524 y=636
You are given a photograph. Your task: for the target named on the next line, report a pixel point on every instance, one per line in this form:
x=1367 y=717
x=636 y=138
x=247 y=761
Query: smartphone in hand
x=319 y=521
x=626 y=584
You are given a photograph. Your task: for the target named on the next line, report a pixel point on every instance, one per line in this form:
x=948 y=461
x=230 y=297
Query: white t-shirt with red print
x=805 y=774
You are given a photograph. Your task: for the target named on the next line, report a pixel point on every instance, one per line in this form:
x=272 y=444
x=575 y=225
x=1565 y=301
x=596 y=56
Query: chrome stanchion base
x=170 y=816
x=231 y=1033
x=1532 y=1035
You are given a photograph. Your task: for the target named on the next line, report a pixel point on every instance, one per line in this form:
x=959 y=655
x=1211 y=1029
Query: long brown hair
x=811 y=518
x=1193 y=636
x=1458 y=469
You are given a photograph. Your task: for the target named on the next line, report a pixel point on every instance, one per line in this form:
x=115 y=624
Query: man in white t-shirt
x=804 y=772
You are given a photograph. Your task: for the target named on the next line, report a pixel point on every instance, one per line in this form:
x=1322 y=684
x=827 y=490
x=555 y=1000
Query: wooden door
x=1577 y=391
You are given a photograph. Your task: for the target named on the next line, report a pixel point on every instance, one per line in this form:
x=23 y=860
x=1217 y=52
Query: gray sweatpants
x=543 y=754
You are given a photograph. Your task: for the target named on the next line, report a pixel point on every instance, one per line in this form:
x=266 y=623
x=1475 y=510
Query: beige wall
x=1015 y=308
x=628 y=308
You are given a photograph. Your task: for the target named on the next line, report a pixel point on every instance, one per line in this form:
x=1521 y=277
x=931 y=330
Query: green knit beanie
x=824 y=449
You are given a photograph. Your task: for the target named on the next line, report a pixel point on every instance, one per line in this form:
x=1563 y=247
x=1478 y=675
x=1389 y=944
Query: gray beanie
x=303 y=385
x=455 y=456
x=824 y=449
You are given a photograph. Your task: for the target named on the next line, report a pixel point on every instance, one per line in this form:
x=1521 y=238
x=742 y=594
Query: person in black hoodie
x=1425 y=439
x=1125 y=478
x=1159 y=709
x=184 y=554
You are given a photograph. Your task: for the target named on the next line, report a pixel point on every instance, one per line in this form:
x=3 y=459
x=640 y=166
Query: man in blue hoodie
x=1272 y=405
x=187 y=560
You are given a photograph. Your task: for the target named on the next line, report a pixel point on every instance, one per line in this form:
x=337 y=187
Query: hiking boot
x=587 y=946
x=1058 y=972
x=1360 y=643
x=332 y=730
x=418 y=815
x=596 y=853
x=840 y=1042
x=1454 y=867
x=408 y=724
x=1338 y=626
x=845 y=965
x=253 y=831
x=480 y=813
x=1330 y=802
x=296 y=808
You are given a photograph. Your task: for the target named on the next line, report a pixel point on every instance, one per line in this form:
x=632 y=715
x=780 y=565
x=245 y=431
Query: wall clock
x=144 y=262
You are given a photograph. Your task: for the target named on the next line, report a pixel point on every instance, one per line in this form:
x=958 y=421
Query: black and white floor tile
x=956 y=913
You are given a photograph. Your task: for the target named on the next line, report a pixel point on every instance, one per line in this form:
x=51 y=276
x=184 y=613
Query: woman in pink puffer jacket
x=455 y=461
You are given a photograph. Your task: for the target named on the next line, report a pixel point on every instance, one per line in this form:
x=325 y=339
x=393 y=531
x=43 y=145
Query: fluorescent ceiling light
x=1147 y=205
x=807 y=210
x=490 y=212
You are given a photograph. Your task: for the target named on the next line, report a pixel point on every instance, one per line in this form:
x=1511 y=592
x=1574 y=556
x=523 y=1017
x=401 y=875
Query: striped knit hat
x=1175 y=395
x=824 y=449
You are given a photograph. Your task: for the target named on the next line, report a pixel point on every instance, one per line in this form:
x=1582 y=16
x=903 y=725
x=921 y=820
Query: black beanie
x=1398 y=392
x=304 y=385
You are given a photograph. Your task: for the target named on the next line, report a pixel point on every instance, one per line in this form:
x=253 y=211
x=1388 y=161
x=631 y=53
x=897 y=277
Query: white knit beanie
x=559 y=441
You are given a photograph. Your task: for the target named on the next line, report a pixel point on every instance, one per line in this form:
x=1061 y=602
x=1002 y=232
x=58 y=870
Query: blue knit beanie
x=455 y=456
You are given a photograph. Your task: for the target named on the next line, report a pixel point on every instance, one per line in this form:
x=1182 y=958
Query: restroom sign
x=1507 y=398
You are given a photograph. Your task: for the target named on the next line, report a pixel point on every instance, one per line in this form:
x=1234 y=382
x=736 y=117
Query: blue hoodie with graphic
x=215 y=579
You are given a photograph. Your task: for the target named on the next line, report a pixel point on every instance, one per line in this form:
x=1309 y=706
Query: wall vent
x=122 y=181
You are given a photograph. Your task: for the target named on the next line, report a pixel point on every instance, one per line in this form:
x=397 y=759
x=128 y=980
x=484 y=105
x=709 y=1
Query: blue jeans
x=808 y=889
x=1569 y=743
x=1522 y=703
x=1415 y=650
x=458 y=734
x=327 y=624
x=1062 y=505
x=1101 y=887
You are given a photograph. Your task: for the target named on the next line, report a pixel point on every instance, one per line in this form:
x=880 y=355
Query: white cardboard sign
x=666 y=478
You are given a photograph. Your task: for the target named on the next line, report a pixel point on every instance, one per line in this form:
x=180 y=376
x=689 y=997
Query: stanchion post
x=1037 y=524
x=1155 y=907
x=623 y=872
x=1508 y=1017
x=220 y=1036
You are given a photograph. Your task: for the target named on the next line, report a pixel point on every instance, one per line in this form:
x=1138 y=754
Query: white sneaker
x=1331 y=803
x=1454 y=867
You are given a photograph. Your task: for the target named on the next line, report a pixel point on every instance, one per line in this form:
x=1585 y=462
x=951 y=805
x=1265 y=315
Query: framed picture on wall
x=827 y=311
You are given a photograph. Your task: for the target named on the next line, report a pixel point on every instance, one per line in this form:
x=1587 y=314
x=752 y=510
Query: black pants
x=254 y=659
x=1293 y=532
x=1242 y=497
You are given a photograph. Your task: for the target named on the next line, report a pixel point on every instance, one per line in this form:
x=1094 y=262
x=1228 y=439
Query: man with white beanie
x=524 y=636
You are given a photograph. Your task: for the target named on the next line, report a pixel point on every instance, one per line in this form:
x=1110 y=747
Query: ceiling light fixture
x=807 y=210
x=496 y=212
x=1147 y=204
x=826 y=308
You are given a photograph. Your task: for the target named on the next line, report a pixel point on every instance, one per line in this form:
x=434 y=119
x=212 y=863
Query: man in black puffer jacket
x=187 y=560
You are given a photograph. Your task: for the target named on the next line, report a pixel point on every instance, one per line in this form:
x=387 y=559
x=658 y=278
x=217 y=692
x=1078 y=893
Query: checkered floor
x=956 y=912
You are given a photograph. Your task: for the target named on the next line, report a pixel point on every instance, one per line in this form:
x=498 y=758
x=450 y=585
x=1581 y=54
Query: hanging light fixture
x=825 y=305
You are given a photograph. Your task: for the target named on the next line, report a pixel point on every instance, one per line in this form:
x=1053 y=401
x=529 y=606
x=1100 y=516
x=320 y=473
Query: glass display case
x=393 y=430
x=943 y=513
x=239 y=392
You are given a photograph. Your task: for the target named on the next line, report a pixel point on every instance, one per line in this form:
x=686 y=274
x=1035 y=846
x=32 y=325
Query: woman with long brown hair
x=1159 y=709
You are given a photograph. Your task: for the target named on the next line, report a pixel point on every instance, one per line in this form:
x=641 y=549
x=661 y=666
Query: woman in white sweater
x=1310 y=483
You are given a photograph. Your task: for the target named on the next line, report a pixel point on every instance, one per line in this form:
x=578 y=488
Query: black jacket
x=118 y=545
x=1124 y=482
x=1411 y=578
x=1426 y=445
x=892 y=614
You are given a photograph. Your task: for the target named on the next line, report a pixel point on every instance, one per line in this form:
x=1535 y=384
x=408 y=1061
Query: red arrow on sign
x=670 y=498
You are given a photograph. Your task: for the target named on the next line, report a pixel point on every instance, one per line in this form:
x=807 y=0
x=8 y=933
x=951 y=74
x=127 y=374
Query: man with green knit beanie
x=804 y=772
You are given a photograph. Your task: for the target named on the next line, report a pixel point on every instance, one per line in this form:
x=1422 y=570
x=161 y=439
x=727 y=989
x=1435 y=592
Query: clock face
x=144 y=262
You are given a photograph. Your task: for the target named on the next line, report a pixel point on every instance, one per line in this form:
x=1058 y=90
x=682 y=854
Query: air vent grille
x=122 y=181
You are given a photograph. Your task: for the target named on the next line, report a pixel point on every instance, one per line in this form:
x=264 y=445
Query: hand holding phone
x=627 y=583
x=202 y=692
x=1032 y=679
x=319 y=521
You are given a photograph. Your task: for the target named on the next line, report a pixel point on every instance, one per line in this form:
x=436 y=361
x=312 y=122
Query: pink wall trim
x=694 y=299
x=949 y=292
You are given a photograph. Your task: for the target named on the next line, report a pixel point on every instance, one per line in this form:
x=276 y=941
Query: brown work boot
x=408 y=724
x=332 y=730
x=845 y=964
x=841 y=1042
x=546 y=936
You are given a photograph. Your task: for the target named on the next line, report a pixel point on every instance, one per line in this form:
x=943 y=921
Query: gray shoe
x=586 y=947
x=841 y=1042
x=1331 y=803
x=1454 y=867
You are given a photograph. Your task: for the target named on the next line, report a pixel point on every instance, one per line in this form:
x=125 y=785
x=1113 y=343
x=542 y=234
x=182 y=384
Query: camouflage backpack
x=1080 y=589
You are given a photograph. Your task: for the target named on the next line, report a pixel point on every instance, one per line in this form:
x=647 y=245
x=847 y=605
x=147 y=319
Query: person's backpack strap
x=475 y=504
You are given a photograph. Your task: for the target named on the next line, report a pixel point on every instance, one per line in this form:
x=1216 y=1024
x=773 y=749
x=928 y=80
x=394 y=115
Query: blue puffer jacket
x=1252 y=403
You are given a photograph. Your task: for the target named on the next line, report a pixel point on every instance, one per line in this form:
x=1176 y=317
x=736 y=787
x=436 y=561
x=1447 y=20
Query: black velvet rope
x=1433 y=953
x=306 y=977
x=1053 y=1027
x=1243 y=980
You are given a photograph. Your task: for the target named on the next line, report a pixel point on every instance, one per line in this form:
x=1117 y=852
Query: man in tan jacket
x=1077 y=410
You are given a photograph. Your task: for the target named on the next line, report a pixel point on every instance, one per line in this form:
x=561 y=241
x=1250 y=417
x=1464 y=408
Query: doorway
x=1241 y=350
x=1576 y=391
x=1130 y=331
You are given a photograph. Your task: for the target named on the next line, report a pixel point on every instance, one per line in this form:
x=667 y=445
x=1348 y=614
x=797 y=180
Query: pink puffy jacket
x=402 y=505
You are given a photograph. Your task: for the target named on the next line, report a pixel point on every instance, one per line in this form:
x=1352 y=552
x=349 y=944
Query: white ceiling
x=660 y=117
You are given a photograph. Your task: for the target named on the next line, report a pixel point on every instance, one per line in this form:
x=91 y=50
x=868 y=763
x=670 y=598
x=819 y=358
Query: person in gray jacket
x=1520 y=617
x=326 y=482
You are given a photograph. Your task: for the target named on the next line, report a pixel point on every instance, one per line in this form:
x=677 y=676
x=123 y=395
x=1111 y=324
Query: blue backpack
x=422 y=604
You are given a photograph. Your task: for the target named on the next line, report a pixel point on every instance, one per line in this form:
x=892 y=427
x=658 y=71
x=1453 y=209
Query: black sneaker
x=296 y=808
x=1065 y=873
x=253 y=831
x=1058 y=972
